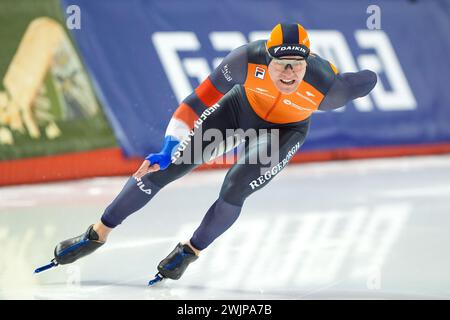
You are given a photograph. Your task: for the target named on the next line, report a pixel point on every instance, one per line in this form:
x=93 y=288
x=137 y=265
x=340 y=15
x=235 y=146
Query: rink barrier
x=111 y=162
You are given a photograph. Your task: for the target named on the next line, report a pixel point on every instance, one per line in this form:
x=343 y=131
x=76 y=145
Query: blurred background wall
x=87 y=87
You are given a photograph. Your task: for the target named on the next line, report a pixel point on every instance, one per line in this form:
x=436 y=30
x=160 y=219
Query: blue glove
x=164 y=157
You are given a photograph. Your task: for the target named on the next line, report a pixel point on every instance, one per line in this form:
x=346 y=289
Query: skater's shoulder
x=256 y=52
x=320 y=73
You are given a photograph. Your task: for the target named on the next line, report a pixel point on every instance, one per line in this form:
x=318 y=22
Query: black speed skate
x=174 y=265
x=72 y=249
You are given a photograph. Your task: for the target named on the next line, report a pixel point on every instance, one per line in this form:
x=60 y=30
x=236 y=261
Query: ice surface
x=366 y=229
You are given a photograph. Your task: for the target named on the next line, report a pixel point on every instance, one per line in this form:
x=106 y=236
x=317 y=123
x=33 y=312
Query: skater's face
x=287 y=73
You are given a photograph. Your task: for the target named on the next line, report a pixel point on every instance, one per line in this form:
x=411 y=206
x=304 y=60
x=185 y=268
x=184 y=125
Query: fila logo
x=260 y=73
x=141 y=186
x=309 y=94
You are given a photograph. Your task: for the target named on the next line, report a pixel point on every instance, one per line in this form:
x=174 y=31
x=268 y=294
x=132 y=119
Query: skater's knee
x=233 y=193
x=235 y=188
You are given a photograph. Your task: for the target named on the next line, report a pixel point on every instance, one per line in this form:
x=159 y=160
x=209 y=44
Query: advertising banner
x=147 y=56
x=47 y=103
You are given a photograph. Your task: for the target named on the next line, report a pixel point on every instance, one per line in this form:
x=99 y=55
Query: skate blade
x=158 y=278
x=52 y=264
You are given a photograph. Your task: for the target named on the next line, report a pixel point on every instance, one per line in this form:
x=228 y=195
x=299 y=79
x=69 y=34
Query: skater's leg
x=236 y=188
x=241 y=181
x=220 y=216
x=133 y=196
x=137 y=193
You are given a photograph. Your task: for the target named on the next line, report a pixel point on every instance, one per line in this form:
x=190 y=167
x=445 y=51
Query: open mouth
x=286 y=82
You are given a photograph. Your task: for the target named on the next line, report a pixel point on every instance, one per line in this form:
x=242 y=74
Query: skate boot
x=72 y=249
x=174 y=265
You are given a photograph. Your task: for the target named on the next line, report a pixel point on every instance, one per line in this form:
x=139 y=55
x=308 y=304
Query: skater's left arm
x=348 y=86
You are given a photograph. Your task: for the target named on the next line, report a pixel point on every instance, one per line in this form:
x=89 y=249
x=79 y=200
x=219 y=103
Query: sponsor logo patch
x=260 y=73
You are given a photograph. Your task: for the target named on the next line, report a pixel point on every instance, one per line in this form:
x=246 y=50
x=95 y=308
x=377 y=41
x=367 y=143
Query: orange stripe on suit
x=207 y=93
x=185 y=113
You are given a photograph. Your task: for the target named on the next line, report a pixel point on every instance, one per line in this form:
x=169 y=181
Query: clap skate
x=174 y=265
x=72 y=249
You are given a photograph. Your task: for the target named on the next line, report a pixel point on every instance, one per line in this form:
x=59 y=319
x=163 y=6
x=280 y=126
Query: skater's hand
x=158 y=161
x=145 y=168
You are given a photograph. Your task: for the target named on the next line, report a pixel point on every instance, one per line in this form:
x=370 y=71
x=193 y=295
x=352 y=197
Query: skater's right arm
x=231 y=71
